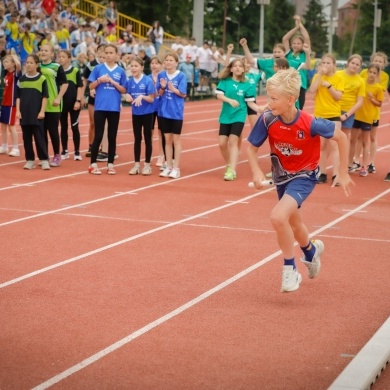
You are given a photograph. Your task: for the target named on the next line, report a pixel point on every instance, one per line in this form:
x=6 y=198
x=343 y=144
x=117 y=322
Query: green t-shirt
x=237 y=90
x=300 y=58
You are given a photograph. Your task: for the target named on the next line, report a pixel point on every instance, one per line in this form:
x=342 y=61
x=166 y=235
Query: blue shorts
x=298 y=188
x=348 y=123
x=8 y=115
x=363 y=126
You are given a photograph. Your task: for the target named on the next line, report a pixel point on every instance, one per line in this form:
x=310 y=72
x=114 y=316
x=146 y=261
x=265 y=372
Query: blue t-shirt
x=144 y=86
x=156 y=101
x=108 y=98
x=171 y=105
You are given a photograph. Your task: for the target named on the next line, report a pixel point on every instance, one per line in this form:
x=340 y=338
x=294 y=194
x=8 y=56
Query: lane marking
x=159 y=321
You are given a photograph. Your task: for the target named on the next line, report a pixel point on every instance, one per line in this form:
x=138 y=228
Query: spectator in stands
x=188 y=69
x=128 y=33
x=146 y=60
x=12 y=32
x=63 y=37
x=191 y=49
x=149 y=48
x=111 y=15
x=203 y=61
x=156 y=34
x=27 y=40
x=126 y=47
x=48 y=6
x=175 y=45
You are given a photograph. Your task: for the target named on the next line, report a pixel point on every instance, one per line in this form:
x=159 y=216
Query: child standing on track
x=57 y=85
x=366 y=115
x=71 y=105
x=237 y=94
x=140 y=92
x=31 y=98
x=109 y=81
x=12 y=68
x=294 y=140
x=328 y=88
x=172 y=88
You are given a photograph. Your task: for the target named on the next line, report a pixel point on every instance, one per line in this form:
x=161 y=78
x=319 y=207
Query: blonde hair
x=379 y=54
x=331 y=56
x=355 y=56
x=287 y=81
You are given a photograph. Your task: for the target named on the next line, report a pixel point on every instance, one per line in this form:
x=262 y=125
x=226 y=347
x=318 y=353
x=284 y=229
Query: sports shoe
x=175 y=173
x=322 y=178
x=147 y=170
x=371 y=168
x=135 y=170
x=229 y=175
x=351 y=169
x=29 y=165
x=94 y=170
x=314 y=265
x=55 y=161
x=88 y=154
x=164 y=166
x=387 y=178
x=110 y=169
x=77 y=157
x=160 y=161
x=14 y=152
x=65 y=155
x=356 y=165
x=45 y=165
x=363 y=172
x=3 y=149
x=290 y=279
x=102 y=156
x=166 y=172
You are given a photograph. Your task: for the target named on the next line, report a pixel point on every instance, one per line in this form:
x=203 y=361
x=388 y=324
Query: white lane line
x=113 y=347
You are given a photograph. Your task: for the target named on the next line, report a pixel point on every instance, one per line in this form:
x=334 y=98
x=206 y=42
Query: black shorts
x=375 y=123
x=231 y=129
x=172 y=126
x=362 y=125
x=204 y=72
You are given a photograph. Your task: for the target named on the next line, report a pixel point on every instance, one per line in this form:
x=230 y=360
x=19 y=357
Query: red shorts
x=8 y=115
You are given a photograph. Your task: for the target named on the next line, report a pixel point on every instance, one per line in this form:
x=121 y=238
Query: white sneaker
x=175 y=173
x=45 y=165
x=314 y=265
x=64 y=156
x=3 y=149
x=77 y=157
x=166 y=172
x=135 y=170
x=29 y=165
x=290 y=279
x=147 y=170
x=14 y=152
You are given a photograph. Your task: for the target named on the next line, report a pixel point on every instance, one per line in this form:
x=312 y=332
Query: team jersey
x=12 y=30
x=171 y=105
x=74 y=82
x=253 y=79
x=143 y=86
x=242 y=92
x=10 y=82
x=383 y=81
x=31 y=91
x=156 y=101
x=300 y=58
x=27 y=40
x=354 y=87
x=267 y=65
x=55 y=77
x=108 y=98
x=295 y=146
x=368 y=112
x=325 y=106
x=87 y=71
x=63 y=37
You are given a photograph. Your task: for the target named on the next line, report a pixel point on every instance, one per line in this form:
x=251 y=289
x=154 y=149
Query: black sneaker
x=102 y=156
x=356 y=165
x=387 y=178
x=371 y=168
x=88 y=154
x=322 y=178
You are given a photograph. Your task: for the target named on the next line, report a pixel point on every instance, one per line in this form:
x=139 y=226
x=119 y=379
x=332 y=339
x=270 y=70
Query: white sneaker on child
x=314 y=266
x=4 y=149
x=290 y=279
x=14 y=152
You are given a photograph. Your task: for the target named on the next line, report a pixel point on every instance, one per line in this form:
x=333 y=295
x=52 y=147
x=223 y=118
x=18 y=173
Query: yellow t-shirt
x=13 y=28
x=62 y=35
x=324 y=104
x=28 y=40
x=383 y=81
x=367 y=112
x=354 y=86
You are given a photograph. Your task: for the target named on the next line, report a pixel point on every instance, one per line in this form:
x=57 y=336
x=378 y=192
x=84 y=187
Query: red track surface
x=121 y=282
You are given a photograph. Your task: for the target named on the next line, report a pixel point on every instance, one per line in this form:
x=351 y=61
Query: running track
x=121 y=282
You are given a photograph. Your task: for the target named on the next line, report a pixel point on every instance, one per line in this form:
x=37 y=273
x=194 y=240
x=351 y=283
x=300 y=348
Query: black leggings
x=36 y=131
x=112 y=118
x=74 y=123
x=50 y=125
x=145 y=122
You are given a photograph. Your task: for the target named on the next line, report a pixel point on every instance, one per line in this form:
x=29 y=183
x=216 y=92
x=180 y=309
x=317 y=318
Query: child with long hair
x=365 y=116
x=31 y=99
x=237 y=94
x=71 y=105
x=172 y=88
x=327 y=88
x=140 y=92
x=294 y=139
x=12 y=68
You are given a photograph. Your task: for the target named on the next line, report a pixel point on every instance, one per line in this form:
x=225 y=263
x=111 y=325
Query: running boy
x=294 y=139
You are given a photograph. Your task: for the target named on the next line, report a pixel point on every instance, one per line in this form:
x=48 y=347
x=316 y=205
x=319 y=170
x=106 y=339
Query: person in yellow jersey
x=63 y=36
x=27 y=42
x=379 y=59
x=352 y=98
x=328 y=88
x=12 y=32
